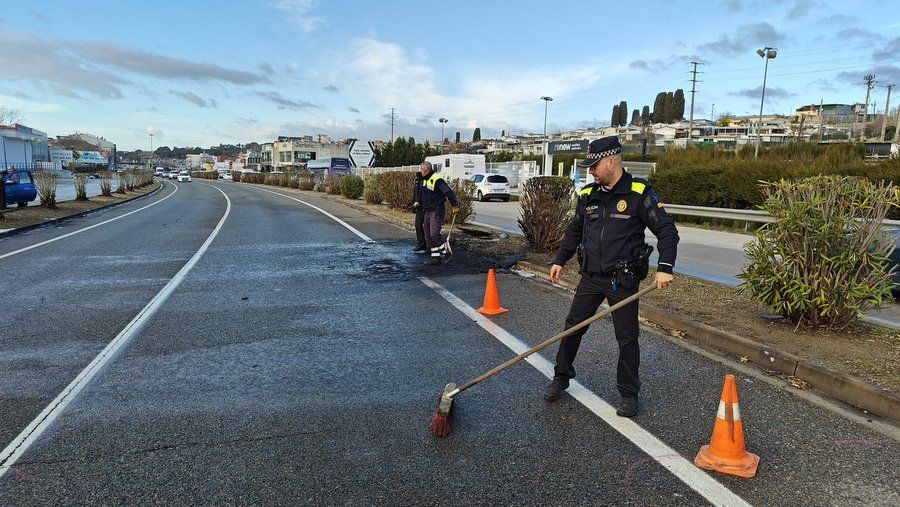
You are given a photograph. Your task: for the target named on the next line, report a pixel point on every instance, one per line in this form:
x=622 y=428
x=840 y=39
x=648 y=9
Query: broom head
x=440 y=423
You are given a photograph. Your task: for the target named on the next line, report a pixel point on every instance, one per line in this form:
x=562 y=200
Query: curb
x=838 y=385
x=53 y=221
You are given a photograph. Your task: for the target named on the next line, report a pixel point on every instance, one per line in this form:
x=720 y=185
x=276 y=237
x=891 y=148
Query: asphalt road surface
x=716 y=256
x=229 y=345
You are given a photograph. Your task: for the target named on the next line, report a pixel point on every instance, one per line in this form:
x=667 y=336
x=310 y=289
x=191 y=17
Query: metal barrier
x=739 y=215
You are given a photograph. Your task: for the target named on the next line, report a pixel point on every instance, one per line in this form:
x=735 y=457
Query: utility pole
x=392 y=124
x=870 y=81
x=712 y=115
x=897 y=127
x=821 y=120
x=693 y=91
x=443 y=122
x=887 y=104
x=547 y=101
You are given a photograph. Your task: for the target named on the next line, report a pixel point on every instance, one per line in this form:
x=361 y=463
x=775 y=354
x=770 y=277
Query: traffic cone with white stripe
x=726 y=453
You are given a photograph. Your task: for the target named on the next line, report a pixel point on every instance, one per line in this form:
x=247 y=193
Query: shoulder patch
x=586 y=190
x=638 y=187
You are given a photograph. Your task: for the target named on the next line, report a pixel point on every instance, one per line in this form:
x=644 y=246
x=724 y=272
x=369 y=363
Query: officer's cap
x=601 y=148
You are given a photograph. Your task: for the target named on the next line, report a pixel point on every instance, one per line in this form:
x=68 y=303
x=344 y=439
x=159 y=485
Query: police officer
x=420 y=214
x=610 y=218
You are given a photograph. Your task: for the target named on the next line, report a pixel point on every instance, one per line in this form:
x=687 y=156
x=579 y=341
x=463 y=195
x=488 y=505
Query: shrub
x=396 y=188
x=333 y=184
x=352 y=186
x=822 y=261
x=305 y=180
x=46 y=188
x=463 y=190
x=321 y=186
x=273 y=179
x=106 y=183
x=80 y=183
x=546 y=210
x=257 y=178
x=237 y=177
x=372 y=189
x=120 y=182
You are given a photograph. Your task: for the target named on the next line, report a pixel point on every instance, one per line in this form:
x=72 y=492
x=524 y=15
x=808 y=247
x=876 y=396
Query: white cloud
x=299 y=12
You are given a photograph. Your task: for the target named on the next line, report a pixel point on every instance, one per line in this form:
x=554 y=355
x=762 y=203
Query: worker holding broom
x=433 y=194
x=608 y=231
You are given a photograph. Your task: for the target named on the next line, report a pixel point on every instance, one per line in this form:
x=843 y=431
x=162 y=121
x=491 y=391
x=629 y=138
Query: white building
x=23 y=147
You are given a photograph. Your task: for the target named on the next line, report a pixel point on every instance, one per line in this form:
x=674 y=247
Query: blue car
x=19 y=187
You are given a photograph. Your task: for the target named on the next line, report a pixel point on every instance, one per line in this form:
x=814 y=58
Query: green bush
x=273 y=179
x=352 y=186
x=397 y=188
x=256 y=178
x=463 y=190
x=546 y=210
x=372 y=189
x=822 y=261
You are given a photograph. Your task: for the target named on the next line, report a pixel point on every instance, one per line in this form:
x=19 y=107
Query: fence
x=33 y=166
x=517 y=172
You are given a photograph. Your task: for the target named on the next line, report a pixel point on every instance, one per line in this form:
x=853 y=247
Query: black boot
x=420 y=249
x=433 y=261
x=628 y=407
x=555 y=389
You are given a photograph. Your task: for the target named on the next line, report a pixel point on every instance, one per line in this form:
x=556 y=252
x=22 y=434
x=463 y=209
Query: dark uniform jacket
x=433 y=191
x=610 y=224
x=417 y=189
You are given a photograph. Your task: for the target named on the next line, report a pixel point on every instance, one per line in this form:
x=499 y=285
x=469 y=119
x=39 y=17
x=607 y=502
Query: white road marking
x=327 y=214
x=36 y=428
x=696 y=479
x=79 y=231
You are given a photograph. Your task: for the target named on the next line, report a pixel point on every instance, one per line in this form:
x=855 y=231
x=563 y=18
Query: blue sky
x=203 y=72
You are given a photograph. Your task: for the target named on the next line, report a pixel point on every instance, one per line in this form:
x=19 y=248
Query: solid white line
x=329 y=215
x=36 y=428
x=696 y=479
x=79 y=231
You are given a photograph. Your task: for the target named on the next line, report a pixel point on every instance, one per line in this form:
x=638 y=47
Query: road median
x=18 y=220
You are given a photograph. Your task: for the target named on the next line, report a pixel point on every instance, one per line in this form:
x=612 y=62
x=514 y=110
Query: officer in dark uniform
x=610 y=218
x=420 y=215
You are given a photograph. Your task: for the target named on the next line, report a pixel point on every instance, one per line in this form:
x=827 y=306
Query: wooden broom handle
x=537 y=348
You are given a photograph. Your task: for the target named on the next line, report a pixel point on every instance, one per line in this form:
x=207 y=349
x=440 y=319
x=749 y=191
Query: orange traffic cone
x=725 y=452
x=491 y=305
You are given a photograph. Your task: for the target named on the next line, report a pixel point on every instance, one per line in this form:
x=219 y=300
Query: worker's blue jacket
x=433 y=191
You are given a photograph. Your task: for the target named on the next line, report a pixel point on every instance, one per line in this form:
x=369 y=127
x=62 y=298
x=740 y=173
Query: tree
x=9 y=116
x=476 y=136
x=635 y=118
x=645 y=115
x=614 y=119
x=678 y=107
x=457 y=138
x=659 y=106
x=502 y=133
x=623 y=113
x=670 y=107
x=403 y=152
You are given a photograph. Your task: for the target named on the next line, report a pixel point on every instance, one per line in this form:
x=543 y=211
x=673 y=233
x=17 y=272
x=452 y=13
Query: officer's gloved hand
x=455 y=209
x=415 y=205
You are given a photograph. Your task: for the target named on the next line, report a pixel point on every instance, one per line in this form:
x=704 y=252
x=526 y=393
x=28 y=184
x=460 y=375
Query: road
x=716 y=256
x=230 y=345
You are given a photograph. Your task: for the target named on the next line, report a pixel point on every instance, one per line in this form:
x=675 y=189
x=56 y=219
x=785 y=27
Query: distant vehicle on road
x=458 y=165
x=334 y=165
x=226 y=177
x=184 y=176
x=19 y=187
x=159 y=171
x=172 y=175
x=490 y=186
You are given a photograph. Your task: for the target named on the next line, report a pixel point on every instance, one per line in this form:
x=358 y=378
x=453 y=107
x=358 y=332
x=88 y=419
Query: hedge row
x=725 y=179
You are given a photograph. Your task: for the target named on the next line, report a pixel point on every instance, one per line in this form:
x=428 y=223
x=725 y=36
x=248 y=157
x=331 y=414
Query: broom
x=447 y=249
x=440 y=423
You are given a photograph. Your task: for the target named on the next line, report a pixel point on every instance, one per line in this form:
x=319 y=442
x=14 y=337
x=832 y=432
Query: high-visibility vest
x=431 y=181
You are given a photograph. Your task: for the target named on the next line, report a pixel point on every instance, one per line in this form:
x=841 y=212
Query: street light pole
x=547 y=101
x=767 y=54
x=150 y=160
x=443 y=121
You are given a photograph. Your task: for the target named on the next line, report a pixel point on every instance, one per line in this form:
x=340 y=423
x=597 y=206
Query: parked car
x=19 y=188
x=895 y=260
x=159 y=171
x=184 y=176
x=490 y=186
x=226 y=177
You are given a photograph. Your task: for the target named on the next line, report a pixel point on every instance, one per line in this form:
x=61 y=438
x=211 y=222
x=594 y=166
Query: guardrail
x=740 y=215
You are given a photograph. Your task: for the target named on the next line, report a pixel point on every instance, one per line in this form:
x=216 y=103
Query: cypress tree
x=670 y=107
x=679 y=104
x=476 y=136
x=623 y=113
x=659 y=115
x=645 y=115
x=614 y=119
x=457 y=138
x=635 y=118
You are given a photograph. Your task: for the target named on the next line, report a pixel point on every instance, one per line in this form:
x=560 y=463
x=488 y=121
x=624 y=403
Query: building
x=199 y=162
x=24 y=147
x=292 y=153
x=831 y=114
x=88 y=150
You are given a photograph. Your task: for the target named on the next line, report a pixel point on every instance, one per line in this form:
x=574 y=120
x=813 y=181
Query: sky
x=201 y=72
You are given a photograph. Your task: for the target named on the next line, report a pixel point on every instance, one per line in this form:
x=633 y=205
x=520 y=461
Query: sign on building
x=568 y=147
x=93 y=157
x=362 y=153
x=62 y=156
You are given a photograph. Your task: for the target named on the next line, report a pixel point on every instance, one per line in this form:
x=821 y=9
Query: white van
x=457 y=165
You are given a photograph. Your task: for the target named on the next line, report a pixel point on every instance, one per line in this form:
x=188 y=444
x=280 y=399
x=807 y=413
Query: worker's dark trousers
x=434 y=219
x=420 y=229
x=590 y=293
